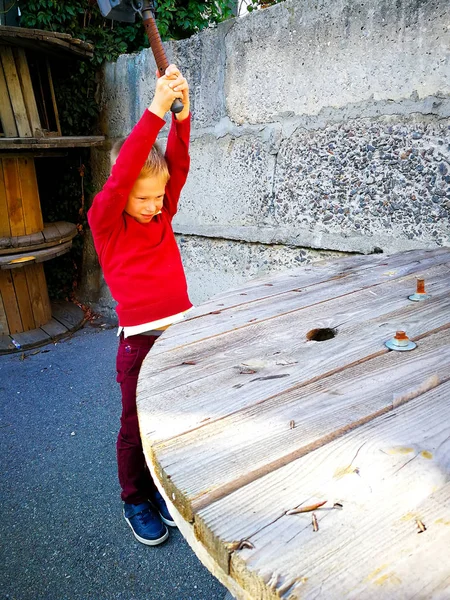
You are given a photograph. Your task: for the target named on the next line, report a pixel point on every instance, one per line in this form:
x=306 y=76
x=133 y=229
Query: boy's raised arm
x=110 y=203
x=178 y=160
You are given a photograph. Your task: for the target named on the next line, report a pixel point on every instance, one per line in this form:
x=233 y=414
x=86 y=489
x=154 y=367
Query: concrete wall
x=319 y=127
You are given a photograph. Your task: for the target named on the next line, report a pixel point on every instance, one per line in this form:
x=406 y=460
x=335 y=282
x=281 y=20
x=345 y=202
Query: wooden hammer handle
x=158 y=52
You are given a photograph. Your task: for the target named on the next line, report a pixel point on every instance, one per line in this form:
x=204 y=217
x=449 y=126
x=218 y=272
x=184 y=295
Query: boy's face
x=146 y=198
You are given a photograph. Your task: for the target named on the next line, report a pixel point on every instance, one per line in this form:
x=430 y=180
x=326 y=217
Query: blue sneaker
x=145 y=523
x=161 y=507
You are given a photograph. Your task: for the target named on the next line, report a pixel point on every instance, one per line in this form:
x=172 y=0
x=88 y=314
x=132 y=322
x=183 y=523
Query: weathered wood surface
x=66 y=317
x=37 y=143
x=244 y=419
x=15 y=91
x=20 y=207
x=27 y=90
x=6 y=112
x=17 y=260
x=53 y=43
x=52 y=234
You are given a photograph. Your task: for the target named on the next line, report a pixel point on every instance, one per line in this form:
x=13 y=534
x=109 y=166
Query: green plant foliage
x=60 y=181
x=179 y=19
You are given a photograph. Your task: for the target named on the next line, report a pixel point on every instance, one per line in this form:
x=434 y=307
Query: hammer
x=126 y=10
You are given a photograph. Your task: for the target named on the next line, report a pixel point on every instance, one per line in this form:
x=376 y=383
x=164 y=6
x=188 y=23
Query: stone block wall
x=318 y=128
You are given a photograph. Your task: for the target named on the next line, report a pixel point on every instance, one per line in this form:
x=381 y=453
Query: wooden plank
x=380 y=473
x=20 y=143
x=53 y=252
x=317 y=272
x=36 y=241
x=32 y=338
x=267 y=358
x=8 y=295
x=66 y=230
x=37 y=288
x=410 y=565
x=52 y=92
x=51 y=232
x=23 y=241
x=6 y=112
x=68 y=314
x=27 y=91
x=30 y=196
x=23 y=299
x=15 y=92
x=13 y=196
x=16 y=260
x=249 y=444
x=4 y=329
x=7 y=31
x=54 y=328
x=5 y=228
x=53 y=43
x=223 y=320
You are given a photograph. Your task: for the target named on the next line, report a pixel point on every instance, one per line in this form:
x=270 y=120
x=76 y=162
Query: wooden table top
x=247 y=421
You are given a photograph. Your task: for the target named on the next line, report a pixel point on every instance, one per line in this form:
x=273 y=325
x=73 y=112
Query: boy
x=131 y=226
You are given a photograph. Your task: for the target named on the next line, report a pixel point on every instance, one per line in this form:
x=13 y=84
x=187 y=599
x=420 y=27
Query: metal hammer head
x=119 y=10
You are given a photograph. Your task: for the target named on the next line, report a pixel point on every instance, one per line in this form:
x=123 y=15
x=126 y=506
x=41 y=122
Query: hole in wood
x=321 y=335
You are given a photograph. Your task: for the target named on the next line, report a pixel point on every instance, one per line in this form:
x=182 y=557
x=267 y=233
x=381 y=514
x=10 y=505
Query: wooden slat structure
x=52 y=234
x=36 y=144
x=302 y=458
x=30 y=127
x=19 y=197
x=49 y=42
x=65 y=318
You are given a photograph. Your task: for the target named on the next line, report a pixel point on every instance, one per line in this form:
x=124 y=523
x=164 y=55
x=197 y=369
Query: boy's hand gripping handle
x=157 y=48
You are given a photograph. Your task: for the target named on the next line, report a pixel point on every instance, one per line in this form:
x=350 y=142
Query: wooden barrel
x=20 y=208
x=24 y=301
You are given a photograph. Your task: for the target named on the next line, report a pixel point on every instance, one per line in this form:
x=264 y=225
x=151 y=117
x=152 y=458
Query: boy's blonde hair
x=154 y=165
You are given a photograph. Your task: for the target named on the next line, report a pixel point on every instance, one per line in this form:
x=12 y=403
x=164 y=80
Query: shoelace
x=145 y=516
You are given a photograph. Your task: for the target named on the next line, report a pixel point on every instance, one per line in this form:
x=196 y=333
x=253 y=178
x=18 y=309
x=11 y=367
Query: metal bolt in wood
x=420 y=293
x=400 y=342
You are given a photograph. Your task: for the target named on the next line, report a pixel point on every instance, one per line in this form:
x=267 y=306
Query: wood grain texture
x=280 y=298
x=37 y=144
x=32 y=338
x=50 y=42
x=6 y=112
x=53 y=234
x=382 y=474
x=31 y=204
x=52 y=92
x=9 y=300
x=250 y=365
x=54 y=328
x=4 y=328
x=245 y=420
x=15 y=92
x=13 y=196
x=23 y=299
x=68 y=314
x=23 y=71
x=37 y=288
x=5 y=227
x=248 y=444
x=16 y=260
x=27 y=241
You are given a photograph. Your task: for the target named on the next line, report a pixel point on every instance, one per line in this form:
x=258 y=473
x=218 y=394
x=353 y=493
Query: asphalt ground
x=63 y=536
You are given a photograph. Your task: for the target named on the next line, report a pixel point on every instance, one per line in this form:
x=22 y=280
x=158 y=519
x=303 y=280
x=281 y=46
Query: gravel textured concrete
x=63 y=534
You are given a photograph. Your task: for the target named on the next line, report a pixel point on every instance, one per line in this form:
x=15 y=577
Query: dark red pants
x=134 y=477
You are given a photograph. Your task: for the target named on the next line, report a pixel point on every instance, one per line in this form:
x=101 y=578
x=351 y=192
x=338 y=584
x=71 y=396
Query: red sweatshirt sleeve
x=110 y=203
x=177 y=157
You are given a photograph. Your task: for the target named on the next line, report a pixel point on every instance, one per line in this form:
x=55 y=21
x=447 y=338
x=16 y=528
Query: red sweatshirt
x=141 y=262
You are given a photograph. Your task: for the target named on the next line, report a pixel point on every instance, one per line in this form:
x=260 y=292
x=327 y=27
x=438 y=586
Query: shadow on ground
x=63 y=535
